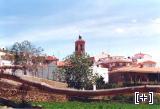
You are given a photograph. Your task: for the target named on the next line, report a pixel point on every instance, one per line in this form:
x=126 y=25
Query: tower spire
x=80 y=37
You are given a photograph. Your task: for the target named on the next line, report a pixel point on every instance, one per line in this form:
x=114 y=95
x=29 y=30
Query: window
x=81 y=47
x=76 y=48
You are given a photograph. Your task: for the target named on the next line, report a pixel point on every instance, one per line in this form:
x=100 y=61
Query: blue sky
x=118 y=27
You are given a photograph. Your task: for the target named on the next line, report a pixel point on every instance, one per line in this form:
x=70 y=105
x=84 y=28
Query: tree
x=102 y=85
x=27 y=55
x=78 y=71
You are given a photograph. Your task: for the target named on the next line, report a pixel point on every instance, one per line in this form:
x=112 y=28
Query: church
x=137 y=69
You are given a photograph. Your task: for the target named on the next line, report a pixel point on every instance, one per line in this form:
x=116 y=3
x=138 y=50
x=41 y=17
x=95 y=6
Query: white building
x=4 y=62
x=98 y=69
x=101 y=72
x=145 y=60
x=100 y=56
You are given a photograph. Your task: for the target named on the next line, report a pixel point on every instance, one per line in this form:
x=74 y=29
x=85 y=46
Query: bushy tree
x=78 y=71
x=102 y=85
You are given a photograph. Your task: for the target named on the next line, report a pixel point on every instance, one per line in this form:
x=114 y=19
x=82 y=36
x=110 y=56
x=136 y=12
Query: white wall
x=5 y=63
x=1 y=54
x=101 y=72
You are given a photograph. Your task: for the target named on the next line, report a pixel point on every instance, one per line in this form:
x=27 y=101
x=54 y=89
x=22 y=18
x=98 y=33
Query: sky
x=117 y=27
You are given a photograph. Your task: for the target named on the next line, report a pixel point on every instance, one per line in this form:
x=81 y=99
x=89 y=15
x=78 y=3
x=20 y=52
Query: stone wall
x=28 y=93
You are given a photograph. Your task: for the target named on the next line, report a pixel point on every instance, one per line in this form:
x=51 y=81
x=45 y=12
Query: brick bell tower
x=80 y=46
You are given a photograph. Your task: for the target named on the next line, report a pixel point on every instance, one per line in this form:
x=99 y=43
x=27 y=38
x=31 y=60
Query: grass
x=94 y=105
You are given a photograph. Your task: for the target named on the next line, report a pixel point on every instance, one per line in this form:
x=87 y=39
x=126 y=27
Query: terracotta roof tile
x=149 y=62
x=141 y=55
x=137 y=69
x=51 y=58
x=60 y=63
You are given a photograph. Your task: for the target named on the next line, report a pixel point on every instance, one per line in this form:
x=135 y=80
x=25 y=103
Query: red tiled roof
x=63 y=63
x=137 y=69
x=51 y=58
x=60 y=63
x=140 y=55
x=115 y=61
x=149 y=62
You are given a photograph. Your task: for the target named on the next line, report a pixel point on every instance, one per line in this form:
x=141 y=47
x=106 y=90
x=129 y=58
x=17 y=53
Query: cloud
x=99 y=20
x=119 y=30
x=97 y=27
x=134 y=21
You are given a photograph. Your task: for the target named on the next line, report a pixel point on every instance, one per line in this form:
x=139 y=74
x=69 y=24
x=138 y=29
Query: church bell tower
x=80 y=46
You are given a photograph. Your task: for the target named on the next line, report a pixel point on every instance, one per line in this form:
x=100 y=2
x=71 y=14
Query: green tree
x=78 y=71
x=100 y=84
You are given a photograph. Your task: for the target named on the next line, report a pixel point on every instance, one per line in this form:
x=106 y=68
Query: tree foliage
x=26 y=54
x=25 y=51
x=100 y=84
x=78 y=72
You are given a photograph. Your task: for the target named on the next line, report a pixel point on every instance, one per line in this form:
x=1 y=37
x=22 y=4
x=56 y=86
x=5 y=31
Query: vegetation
x=100 y=84
x=78 y=73
x=24 y=51
x=27 y=55
x=94 y=105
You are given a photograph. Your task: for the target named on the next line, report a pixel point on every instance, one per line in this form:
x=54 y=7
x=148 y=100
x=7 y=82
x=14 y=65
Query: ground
x=95 y=105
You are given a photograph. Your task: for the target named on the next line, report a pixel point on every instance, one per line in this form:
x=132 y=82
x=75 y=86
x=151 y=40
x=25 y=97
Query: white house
x=5 y=62
x=145 y=60
x=2 y=61
x=100 y=72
